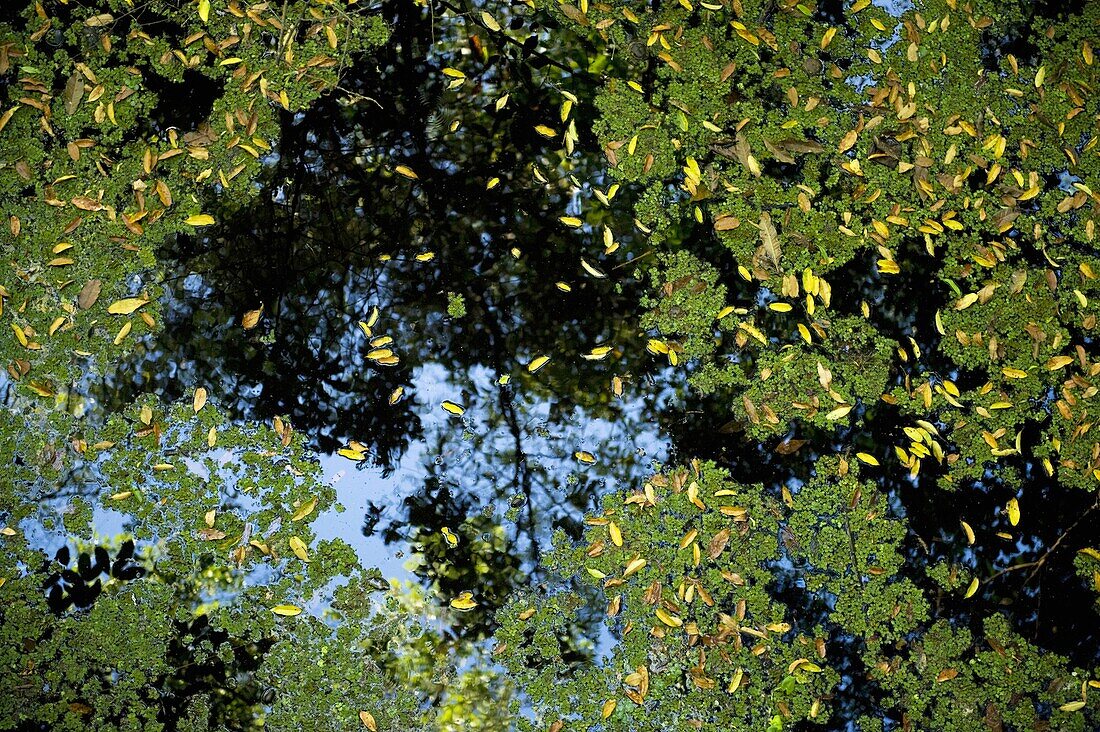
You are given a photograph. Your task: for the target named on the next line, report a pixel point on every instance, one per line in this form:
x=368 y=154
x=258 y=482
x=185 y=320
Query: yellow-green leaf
x=537 y=363
x=126 y=305
x=1058 y=362
x=969 y=532
x=464 y=602
x=299 y=548
x=304 y=510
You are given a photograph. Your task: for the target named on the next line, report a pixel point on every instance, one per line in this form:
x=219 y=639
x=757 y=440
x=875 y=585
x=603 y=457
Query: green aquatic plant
x=865 y=244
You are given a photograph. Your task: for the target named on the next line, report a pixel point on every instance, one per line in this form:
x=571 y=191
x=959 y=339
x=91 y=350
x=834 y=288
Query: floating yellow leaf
x=464 y=602
x=368 y=721
x=351 y=454
x=966 y=301
x=204 y=10
x=1013 y=509
x=252 y=317
x=537 y=363
x=608 y=708
x=200 y=399
x=585 y=457
x=304 y=510
x=839 y=413
x=598 y=274
x=1058 y=362
x=299 y=548
x=453 y=408
x=449 y=536
x=780 y=307
x=633 y=566
x=395 y=395
x=1011 y=373
x=570 y=221
x=969 y=532
x=866 y=458
x=668 y=619
x=597 y=354
x=286 y=610
x=971 y=589
x=1074 y=706
x=490 y=22
x=616 y=533
x=406 y=171
x=199 y=220
x=735 y=682
x=126 y=306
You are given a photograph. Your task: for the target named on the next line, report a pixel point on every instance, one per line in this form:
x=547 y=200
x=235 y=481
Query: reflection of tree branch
x=1037 y=565
x=468 y=15
x=521 y=473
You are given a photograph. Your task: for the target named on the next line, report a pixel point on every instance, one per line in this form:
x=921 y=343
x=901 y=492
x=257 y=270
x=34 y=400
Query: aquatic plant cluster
x=859 y=237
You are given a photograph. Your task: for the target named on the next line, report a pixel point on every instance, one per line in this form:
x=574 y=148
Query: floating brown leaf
x=252 y=317
x=769 y=238
x=89 y=294
x=718 y=544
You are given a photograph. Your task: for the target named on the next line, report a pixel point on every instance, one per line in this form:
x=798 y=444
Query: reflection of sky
x=482 y=473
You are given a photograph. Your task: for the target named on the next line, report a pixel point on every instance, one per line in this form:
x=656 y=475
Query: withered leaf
x=252 y=317
x=718 y=544
x=89 y=294
x=789 y=447
x=74 y=92
x=769 y=238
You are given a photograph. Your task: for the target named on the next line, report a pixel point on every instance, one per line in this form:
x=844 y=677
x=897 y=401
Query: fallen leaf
x=200 y=399
x=252 y=317
x=126 y=306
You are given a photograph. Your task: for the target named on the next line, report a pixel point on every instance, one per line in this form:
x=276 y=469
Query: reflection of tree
x=335 y=232
x=501 y=483
x=309 y=247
